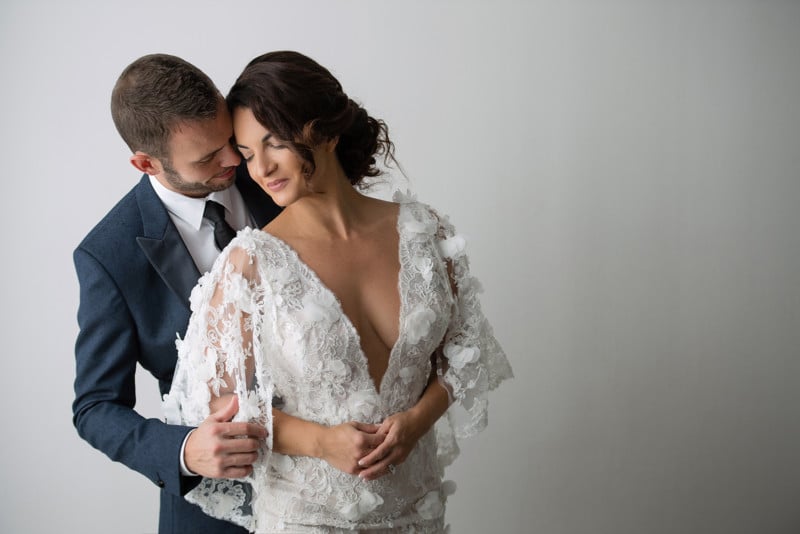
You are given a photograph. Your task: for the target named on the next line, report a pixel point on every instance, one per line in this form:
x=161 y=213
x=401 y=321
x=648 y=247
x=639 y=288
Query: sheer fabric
x=265 y=327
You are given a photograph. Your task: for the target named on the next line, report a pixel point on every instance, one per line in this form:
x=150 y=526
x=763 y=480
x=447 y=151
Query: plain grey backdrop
x=628 y=173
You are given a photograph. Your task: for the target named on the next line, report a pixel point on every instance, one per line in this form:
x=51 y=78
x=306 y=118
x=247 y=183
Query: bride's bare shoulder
x=383 y=210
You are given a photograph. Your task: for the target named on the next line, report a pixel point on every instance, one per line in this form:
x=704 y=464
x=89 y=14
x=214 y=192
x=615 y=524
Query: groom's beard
x=217 y=182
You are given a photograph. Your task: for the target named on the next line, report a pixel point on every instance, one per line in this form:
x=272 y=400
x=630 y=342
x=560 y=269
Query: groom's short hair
x=154 y=94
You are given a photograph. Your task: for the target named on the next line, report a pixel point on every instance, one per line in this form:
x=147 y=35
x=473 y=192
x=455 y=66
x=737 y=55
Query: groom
x=136 y=269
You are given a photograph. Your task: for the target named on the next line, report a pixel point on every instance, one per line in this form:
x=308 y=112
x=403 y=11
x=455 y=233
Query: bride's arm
x=215 y=374
x=342 y=446
x=403 y=430
x=360 y=448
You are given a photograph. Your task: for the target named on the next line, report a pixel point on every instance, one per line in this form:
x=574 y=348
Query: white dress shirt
x=198 y=234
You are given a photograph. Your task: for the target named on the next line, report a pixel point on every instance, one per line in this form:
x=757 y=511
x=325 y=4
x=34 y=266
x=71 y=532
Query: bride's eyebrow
x=263 y=140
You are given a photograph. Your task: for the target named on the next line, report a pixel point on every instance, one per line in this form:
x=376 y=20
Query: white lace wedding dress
x=265 y=327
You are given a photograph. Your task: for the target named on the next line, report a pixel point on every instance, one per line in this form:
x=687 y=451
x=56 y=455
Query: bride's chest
x=405 y=297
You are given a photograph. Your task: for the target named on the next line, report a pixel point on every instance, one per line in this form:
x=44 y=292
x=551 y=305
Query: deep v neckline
x=312 y=275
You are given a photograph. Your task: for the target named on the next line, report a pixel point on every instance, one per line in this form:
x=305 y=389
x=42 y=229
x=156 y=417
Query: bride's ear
x=330 y=144
x=146 y=163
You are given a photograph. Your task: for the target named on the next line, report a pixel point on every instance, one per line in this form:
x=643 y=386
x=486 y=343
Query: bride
x=346 y=316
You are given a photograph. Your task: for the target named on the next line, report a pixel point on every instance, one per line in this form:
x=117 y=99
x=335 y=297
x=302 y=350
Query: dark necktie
x=223 y=233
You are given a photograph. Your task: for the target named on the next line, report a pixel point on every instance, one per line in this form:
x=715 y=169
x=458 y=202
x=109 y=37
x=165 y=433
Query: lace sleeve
x=217 y=358
x=471 y=362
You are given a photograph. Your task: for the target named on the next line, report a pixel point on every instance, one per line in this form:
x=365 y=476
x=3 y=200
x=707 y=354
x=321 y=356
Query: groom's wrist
x=185 y=471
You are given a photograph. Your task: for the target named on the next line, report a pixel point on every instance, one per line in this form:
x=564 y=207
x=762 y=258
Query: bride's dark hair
x=300 y=102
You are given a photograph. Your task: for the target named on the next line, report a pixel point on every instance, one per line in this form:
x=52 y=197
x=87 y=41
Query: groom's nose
x=230 y=157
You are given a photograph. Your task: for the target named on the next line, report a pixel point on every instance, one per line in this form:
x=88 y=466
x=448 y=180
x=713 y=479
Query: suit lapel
x=162 y=243
x=163 y=246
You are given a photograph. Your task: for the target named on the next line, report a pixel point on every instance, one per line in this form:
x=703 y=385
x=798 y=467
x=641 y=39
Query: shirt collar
x=186 y=208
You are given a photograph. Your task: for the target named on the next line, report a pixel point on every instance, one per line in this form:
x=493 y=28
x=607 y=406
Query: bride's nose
x=263 y=166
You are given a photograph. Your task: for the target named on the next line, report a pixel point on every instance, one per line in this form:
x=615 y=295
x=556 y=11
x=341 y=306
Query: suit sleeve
x=106 y=353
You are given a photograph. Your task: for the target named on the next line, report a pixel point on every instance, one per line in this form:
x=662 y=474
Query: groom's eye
x=206 y=160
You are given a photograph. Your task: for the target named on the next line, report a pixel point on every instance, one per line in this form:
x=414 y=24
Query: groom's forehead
x=196 y=139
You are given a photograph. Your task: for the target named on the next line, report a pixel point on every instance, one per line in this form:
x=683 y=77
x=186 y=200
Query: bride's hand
x=342 y=446
x=402 y=431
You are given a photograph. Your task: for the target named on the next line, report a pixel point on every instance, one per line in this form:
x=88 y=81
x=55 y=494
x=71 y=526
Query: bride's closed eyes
x=268 y=141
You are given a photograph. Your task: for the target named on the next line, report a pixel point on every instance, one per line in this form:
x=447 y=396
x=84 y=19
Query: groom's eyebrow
x=263 y=140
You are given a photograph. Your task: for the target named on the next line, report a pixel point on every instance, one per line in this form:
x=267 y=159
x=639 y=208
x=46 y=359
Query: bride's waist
x=310 y=491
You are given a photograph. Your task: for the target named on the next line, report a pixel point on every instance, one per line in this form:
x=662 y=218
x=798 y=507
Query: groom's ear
x=146 y=163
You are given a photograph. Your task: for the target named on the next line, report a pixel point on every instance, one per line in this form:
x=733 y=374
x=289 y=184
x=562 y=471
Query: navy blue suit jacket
x=135 y=276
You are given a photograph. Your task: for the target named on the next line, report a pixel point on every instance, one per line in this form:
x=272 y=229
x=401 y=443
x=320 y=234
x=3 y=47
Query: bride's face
x=271 y=163
x=274 y=165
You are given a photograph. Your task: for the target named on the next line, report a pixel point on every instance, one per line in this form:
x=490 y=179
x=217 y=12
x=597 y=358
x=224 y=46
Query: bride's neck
x=334 y=212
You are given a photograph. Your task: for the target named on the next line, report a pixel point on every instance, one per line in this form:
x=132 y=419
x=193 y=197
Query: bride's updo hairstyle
x=302 y=104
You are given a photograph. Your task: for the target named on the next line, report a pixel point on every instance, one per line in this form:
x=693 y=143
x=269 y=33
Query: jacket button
x=160 y=483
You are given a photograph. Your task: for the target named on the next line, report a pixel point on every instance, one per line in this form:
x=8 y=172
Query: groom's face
x=202 y=158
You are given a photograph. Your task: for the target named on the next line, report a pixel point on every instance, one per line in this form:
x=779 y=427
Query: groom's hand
x=219 y=448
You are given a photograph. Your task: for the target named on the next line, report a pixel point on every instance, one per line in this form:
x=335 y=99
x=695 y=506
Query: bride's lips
x=277 y=185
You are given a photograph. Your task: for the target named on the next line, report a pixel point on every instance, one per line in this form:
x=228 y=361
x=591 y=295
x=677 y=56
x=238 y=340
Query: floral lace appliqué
x=264 y=327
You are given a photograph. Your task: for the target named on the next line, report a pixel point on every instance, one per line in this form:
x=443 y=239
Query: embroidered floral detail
x=407 y=374
x=282 y=464
x=170 y=405
x=205 y=363
x=459 y=356
x=337 y=368
x=453 y=247
x=418 y=323
x=367 y=502
x=363 y=406
x=406 y=197
x=249 y=407
x=407 y=222
x=196 y=296
x=215 y=383
x=282 y=278
x=424 y=267
x=228 y=499
x=449 y=488
x=418 y=227
x=430 y=505
x=320 y=307
x=469 y=284
x=240 y=292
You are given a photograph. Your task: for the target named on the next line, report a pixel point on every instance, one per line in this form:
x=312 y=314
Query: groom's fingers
x=227 y=412
x=236 y=472
x=211 y=445
x=251 y=430
x=211 y=454
x=238 y=445
x=241 y=460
